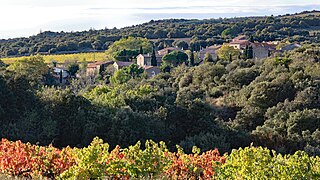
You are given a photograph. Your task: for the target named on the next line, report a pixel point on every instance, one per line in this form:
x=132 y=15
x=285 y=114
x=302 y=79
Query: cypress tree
x=141 y=50
x=60 y=76
x=251 y=39
x=245 y=53
x=191 y=58
x=153 y=58
x=250 y=53
x=124 y=55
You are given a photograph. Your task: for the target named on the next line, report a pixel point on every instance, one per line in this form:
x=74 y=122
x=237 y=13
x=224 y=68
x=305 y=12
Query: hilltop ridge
x=299 y=27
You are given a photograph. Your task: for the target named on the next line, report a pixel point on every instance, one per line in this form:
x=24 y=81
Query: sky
x=23 y=18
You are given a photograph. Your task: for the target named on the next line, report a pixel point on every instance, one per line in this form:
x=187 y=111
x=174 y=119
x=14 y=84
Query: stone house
x=60 y=75
x=152 y=70
x=211 y=50
x=145 y=60
x=239 y=42
x=262 y=50
x=97 y=67
x=290 y=47
x=120 y=64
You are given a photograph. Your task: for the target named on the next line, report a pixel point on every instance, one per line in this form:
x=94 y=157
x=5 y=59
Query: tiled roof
x=265 y=45
x=290 y=46
x=240 y=42
x=95 y=64
x=123 y=63
x=91 y=65
x=166 y=50
x=239 y=38
x=148 y=67
x=151 y=67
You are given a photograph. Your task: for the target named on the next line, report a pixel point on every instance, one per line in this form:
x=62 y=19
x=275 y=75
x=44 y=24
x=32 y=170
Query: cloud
x=260 y=10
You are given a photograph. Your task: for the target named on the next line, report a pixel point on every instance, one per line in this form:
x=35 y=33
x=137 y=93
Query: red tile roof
x=91 y=65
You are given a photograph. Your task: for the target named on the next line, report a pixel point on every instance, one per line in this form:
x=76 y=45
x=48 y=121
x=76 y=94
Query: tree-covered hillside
x=272 y=102
x=299 y=27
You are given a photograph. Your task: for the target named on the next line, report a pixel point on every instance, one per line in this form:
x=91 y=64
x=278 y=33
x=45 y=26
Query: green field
x=62 y=58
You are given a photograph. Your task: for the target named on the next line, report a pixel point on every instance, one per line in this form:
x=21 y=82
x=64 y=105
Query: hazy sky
x=27 y=17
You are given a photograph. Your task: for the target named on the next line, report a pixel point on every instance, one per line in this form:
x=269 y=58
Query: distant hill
x=304 y=13
x=299 y=27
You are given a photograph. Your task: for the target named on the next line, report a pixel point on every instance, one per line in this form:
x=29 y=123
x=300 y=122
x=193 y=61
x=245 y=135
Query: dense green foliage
x=298 y=27
x=222 y=104
x=73 y=68
x=208 y=58
x=128 y=48
x=228 y=53
x=261 y=163
x=34 y=68
x=125 y=74
x=175 y=58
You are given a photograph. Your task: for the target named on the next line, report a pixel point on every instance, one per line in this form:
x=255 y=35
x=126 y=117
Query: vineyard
x=153 y=161
x=62 y=58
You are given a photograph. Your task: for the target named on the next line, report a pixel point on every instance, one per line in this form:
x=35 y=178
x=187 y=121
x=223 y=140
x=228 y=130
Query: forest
x=187 y=34
x=272 y=102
